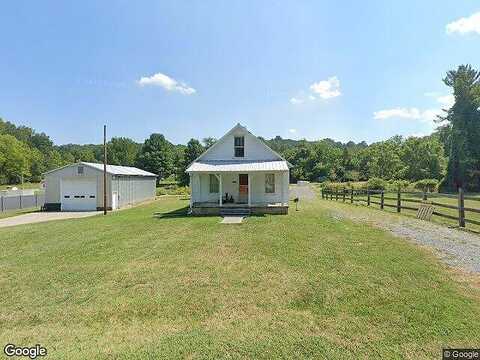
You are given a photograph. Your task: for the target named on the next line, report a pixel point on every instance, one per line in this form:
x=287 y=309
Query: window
x=270 y=183
x=239 y=146
x=80 y=170
x=214 y=185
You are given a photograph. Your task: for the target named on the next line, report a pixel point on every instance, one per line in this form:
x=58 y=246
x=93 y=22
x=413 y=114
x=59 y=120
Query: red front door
x=243 y=188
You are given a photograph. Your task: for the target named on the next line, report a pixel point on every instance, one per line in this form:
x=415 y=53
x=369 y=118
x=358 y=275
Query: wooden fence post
x=368 y=197
x=331 y=195
x=351 y=196
x=344 y=194
x=36 y=199
x=322 y=194
x=2 y=204
x=336 y=194
x=399 y=200
x=461 y=208
x=382 y=200
x=20 y=199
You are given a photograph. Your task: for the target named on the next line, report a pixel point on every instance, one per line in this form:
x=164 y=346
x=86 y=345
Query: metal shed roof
x=237 y=166
x=111 y=169
x=120 y=170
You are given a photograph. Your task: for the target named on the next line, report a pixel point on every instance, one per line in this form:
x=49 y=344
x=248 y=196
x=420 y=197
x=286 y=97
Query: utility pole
x=104 y=169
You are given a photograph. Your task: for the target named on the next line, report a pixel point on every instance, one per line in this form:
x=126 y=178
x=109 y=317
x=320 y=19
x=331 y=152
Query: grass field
x=141 y=285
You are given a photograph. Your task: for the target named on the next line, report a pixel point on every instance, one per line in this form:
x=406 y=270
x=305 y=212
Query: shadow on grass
x=183 y=213
x=177 y=213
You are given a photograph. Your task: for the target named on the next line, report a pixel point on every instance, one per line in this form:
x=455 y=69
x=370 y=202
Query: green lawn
x=135 y=285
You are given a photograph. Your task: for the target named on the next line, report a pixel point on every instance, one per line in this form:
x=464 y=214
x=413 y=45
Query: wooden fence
x=410 y=201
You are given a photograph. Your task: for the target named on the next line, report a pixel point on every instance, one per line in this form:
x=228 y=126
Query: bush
x=429 y=185
x=400 y=184
x=376 y=184
x=173 y=189
x=334 y=186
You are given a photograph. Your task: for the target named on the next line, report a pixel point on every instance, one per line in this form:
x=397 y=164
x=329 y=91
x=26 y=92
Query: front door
x=243 y=188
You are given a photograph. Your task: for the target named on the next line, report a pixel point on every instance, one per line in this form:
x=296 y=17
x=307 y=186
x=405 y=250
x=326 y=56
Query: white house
x=239 y=174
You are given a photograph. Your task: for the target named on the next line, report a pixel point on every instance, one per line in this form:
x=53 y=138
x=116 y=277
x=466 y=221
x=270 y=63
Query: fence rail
x=18 y=202
x=367 y=196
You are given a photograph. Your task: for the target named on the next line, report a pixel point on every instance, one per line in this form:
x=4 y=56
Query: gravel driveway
x=303 y=192
x=37 y=217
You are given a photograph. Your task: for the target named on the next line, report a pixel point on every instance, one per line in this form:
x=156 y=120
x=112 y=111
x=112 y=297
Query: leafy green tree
x=157 y=156
x=193 y=150
x=122 y=151
x=464 y=119
x=208 y=142
x=423 y=158
x=15 y=159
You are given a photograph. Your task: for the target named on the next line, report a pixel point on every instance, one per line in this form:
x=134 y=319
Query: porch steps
x=235 y=211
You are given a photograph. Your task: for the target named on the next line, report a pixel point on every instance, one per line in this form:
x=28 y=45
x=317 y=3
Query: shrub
x=376 y=184
x=400 y=184
x=429 y=185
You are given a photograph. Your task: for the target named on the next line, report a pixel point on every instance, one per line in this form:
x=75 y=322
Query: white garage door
x=79 y=194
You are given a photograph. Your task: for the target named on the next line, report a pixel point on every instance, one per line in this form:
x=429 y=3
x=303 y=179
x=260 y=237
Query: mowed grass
x=136 y=285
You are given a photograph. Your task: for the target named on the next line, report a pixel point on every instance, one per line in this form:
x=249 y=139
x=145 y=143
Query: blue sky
x=347 y=70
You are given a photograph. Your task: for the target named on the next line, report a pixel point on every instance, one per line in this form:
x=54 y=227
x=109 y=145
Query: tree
x=193 y=150
x=464 y=118
x=15 y=159
x=208 y=142
x=156 y=156
x=122 y=151
x=423 y=158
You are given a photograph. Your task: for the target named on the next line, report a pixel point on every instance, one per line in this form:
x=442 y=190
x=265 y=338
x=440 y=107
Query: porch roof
x=237 y=166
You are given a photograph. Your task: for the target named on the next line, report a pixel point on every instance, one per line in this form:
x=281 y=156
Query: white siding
x=254 y=149
x=201 y=187
x=130 y=189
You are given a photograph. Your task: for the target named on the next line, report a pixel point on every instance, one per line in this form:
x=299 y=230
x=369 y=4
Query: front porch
x=256 y=192
x=214 y=208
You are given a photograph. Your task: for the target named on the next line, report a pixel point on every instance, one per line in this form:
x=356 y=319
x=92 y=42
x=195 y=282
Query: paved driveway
x=37 y=217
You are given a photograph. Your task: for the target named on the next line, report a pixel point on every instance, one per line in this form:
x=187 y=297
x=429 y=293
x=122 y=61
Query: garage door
x=79 y=194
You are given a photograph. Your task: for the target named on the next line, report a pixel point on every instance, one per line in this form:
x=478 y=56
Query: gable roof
x=232 y=130
x=111 y=169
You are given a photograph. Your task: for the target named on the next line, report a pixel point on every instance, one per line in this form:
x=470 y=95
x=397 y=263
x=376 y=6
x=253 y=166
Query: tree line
x=450 y=155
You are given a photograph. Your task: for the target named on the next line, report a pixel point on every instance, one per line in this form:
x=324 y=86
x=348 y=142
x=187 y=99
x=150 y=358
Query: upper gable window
x=80 y=170
x=239 y=146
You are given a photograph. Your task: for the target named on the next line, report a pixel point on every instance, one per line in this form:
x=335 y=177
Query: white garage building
x=79 y=187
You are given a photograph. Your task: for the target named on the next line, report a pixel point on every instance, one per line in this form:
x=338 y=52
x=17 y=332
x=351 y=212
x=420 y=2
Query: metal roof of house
x=120 y=170
x=238 y=165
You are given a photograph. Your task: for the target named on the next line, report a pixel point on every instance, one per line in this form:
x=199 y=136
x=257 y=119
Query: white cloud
x=446 y=100
x=327 y=89
x=296 y=101
x=167 y=83
x=292 y=131
x=428 y=115
x=324 y=89
x=465 y=25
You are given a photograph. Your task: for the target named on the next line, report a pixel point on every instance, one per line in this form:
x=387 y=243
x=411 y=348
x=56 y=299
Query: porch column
x=249 y=192
x=191 y=189
x=220 y=190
